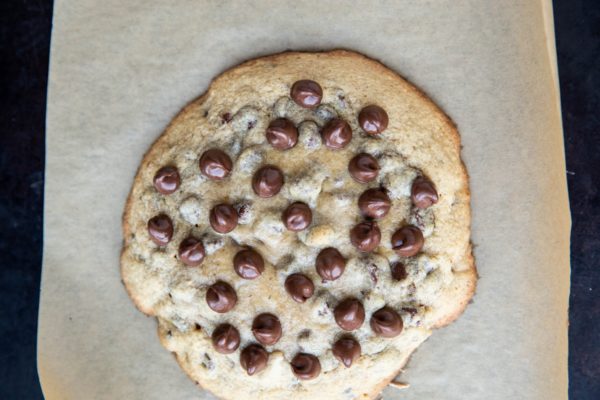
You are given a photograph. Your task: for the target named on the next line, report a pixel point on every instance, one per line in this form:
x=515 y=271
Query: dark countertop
x=24 y=45
x=577 y=25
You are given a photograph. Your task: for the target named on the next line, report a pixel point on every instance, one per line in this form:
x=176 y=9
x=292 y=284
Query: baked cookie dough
x=300 y=229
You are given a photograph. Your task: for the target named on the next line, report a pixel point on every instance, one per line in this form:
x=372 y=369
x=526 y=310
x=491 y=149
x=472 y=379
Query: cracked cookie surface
x=388 y=192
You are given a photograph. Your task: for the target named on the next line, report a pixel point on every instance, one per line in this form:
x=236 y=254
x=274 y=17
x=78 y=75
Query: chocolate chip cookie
x=300 y=229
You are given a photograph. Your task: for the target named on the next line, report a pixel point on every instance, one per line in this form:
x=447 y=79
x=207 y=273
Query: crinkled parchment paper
x=120 y=70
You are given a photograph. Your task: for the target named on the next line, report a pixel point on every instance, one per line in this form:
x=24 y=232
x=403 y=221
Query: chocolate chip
x=300 y=287
x=223 y=218
x=304 y=334
x=411 y=310
x=399 y=271
x=372 y=269
x=423 y=193
x=386 y=322
x=407 y=241
x=330 y=264
x=207 y=363
x=267 y=181
x=349 y=314
x=282 y=134
x=373 y=119
x=412 y=288
x=323 y=312
x=191 y=251
x=266 y=328
x=336 y=134
x=347 y=350
x=363 y=167
x=160 y=229
x=225 y=339
x=221 y=297
x=365 y=236
x=226 y=117
x=166 y=180
x=215 y=164
x=297 y=216
x=305 y=366
x=254 y=359
x=244 y=211
x=248 y=264
x=374 y=203
x=306 y=93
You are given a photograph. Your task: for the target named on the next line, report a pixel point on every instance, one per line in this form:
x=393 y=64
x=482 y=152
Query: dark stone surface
x=577 y=25
x=24 y=44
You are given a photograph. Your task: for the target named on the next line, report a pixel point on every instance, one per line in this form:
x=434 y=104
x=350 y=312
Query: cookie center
x=303 y=235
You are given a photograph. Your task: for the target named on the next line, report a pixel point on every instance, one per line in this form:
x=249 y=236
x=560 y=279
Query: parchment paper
x=120 y=70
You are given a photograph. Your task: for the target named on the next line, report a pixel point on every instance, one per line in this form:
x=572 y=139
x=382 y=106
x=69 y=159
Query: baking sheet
x=121 y=70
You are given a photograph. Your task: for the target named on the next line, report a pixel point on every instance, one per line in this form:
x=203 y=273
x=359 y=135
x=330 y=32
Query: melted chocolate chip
x=363 y=167
x=347 y=350
x=166 y=180
x=373 y=119
x=244 y=210
x=266 y=329
x=386 y=322
x=407 y=241
x=423 y=193
x=336 y=134
x=248 y=264
x=160 y=229
x=374 y=203
x=330 y=264
x=306 y=93
x=365 y=236
x=225 y=339
x=191 y=251
x=349 y=314
x=282 y=134
x=254 y=359
x=300 y=287
x=372 y=269
x=297 y=216
x=267 y=181
x=399 y=272
x=221 y=297
x=411 y=310
x=215 y=164
x=226 y=118
x=223 y=218
x=306 y=366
